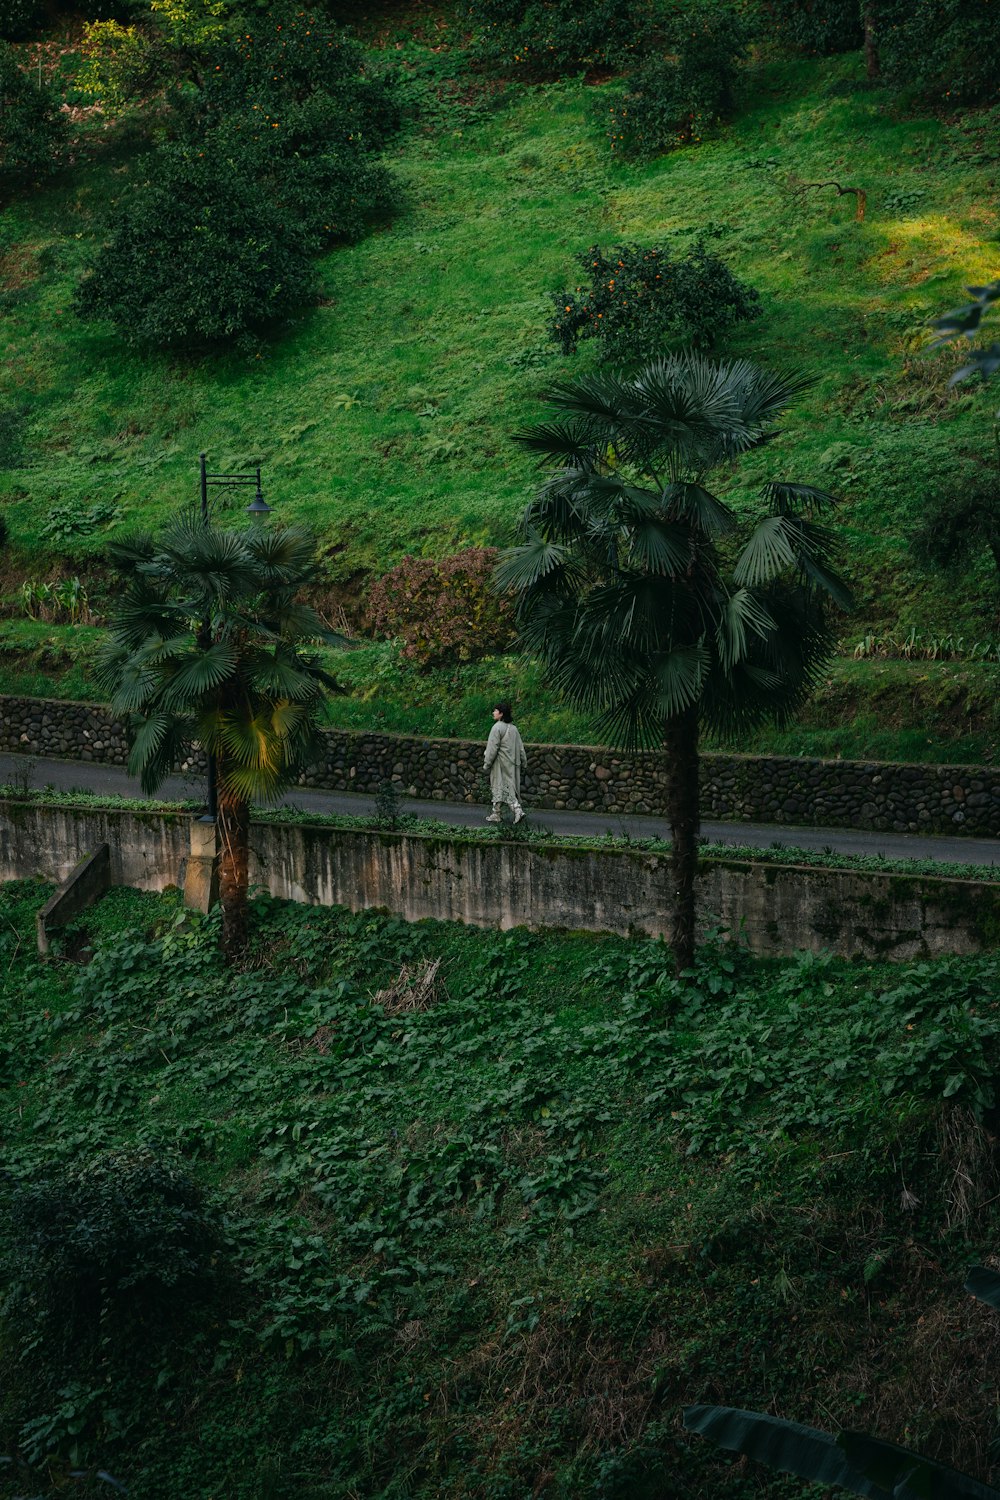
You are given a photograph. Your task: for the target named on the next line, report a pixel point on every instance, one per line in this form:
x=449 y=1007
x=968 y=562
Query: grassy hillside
x=485 y=1244
x=887 y=710
x=384 y=415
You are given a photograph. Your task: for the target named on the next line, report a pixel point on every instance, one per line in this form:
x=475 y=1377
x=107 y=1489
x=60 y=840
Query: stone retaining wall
x=768 y=789
x=776 y=909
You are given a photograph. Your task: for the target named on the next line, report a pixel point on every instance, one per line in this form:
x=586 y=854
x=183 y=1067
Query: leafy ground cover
x=384 y=416
x=923 y=711
x=483 y=1231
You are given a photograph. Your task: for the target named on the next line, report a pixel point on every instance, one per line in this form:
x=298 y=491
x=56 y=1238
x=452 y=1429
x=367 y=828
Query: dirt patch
x=19 y=267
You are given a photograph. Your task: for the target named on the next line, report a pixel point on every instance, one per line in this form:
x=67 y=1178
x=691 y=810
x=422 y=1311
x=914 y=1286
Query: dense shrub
x=672 y=100
x=636 y=300
x=444 y=611
x=547 y=38
x=197 y=255
x=30 y=127
x=958 y=529
x=290 y=59
x=822 y=26
x=273 y=164
x=18 y=18
x=120 y=63
x=944 y=49
x=100 y=1247
x=324 y=191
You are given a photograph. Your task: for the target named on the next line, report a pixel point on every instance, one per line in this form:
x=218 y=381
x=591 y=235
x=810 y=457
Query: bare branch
x=798 y=189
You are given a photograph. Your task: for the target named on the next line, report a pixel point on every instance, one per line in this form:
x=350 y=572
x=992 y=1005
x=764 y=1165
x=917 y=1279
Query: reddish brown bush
x=443 y=610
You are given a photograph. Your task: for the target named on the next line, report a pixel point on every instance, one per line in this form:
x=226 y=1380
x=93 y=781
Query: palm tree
x=621 y=580
x=210 y=642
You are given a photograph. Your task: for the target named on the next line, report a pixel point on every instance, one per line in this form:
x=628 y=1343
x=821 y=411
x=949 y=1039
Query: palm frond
x=658 y=547
x=563 y=443
x=521 y=568
x=286 y=553
x=768 y=551
x=831 y=583
x=679 y=677
x=156 y=742
x=798 y=499
x=126 y=552
x=763 y=394
x=742 y=618
x=249 y=741
x=692 y=502
x=280 y=675
x=253 y=784
x=197 y=674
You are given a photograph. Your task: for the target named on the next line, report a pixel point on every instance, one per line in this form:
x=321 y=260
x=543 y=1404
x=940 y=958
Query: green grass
x=433 y=329
x=488 y=1248
x=932 y=712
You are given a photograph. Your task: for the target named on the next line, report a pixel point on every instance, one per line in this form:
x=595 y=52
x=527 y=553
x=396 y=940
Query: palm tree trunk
x=234 y=871
x=680 y=741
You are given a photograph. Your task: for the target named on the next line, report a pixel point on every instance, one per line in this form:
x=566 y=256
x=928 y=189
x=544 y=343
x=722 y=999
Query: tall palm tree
x=630 y=584
x=210 y=642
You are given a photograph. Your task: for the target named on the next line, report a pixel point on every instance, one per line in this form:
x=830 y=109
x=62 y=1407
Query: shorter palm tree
x=211 y=642
x=621 y=578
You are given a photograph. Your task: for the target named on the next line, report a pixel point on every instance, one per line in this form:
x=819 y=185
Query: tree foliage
x=18 y=18
x=31 y=129
x=942 y=49
x=198 y=258
x=273 y=162
x=622 y=583
x=678 y=94
x=211 y=642
x=549 y=38
x=444 y=610
x=639 y=300
x=822 y=26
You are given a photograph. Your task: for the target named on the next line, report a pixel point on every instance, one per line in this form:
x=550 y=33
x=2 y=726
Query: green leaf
x=910 y=1476
x=985 y=1285
x=768 y=552
x=742 y=617
x=788 y=1447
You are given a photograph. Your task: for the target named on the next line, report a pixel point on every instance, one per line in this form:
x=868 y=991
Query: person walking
x=505 y=760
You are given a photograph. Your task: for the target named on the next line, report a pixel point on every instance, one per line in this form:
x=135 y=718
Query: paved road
x=88 y=776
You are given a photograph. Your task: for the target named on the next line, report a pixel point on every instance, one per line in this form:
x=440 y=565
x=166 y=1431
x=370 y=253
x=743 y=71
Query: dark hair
x=505 y=712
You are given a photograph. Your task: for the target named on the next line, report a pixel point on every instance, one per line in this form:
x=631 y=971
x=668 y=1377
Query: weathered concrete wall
x=147 y=850
x=85 y=884
x=769 y=789
x=778 y=909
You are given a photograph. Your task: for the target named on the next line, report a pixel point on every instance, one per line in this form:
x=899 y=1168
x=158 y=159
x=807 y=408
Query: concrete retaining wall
x=779 y=909
x=84 y=885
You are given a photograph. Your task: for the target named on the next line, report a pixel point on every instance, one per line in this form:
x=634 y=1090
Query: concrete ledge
x=775 y=909
x=85 y=884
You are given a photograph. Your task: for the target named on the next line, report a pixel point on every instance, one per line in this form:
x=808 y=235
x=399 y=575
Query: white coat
x=505 y=760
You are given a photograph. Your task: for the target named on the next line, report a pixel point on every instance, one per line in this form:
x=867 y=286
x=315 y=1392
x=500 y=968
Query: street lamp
x=258 y=507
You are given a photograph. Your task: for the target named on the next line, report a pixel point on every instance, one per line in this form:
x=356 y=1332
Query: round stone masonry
x=825 y=793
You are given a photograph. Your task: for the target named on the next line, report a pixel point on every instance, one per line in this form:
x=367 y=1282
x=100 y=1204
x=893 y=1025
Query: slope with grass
x=384 y=415
x=480 y=1230
x=928 y=711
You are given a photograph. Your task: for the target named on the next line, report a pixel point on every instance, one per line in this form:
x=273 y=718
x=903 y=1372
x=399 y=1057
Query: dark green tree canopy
x=621 y=577
x=248 y=686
